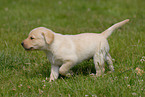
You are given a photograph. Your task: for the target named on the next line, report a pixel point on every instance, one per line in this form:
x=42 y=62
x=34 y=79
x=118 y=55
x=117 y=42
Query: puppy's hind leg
x=109 y=62
x=99 y=63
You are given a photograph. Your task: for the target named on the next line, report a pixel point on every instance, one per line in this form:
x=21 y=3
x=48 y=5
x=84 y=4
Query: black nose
x=22 y=43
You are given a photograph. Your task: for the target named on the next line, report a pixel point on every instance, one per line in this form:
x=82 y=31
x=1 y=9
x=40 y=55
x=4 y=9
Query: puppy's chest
x=53 y=59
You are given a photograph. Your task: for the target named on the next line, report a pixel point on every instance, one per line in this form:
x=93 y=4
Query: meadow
x=24 y=73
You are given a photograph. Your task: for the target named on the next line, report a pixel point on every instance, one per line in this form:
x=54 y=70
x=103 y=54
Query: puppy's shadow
x=85 y=68
x=43 y=70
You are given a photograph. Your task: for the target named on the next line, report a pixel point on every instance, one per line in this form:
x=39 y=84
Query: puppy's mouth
x=28 y=49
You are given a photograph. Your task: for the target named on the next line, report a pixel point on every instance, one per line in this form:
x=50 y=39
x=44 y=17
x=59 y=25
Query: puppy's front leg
x=54 y=72
x=63 y=70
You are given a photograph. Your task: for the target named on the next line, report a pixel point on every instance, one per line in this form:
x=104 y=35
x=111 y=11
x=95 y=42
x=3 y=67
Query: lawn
x=25 y=73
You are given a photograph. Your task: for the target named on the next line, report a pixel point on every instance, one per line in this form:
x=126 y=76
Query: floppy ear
x=48 y=36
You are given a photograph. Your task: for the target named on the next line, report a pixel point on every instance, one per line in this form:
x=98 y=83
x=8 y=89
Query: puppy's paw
x=51 y=79
x=70 y=73
x=100 y=72
x=92 y=74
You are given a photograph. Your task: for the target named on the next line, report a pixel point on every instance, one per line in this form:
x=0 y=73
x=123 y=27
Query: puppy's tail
x=109 y=31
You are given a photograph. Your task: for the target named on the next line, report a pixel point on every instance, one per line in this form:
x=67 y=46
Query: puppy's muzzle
x=26 y=48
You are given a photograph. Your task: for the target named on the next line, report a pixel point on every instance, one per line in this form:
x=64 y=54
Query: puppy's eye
x=31 y=38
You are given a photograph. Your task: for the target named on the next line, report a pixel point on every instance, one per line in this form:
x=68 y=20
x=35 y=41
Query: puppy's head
x=38 y=39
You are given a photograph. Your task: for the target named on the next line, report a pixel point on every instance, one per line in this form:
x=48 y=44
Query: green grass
x=24 y=73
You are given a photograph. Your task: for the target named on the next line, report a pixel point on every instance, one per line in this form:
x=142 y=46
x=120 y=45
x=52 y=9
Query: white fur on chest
x=53 y=60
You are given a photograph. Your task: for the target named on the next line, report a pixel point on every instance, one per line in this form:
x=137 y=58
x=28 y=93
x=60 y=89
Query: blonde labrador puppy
x=65 y=51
